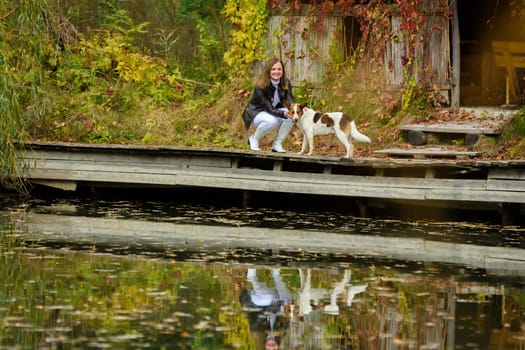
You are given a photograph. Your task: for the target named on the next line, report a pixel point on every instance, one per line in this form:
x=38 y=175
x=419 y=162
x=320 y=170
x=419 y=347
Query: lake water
x=180 y=271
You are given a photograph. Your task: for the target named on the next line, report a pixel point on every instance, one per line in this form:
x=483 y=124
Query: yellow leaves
x=147 y=138
x=250 y=19
x=104 y=64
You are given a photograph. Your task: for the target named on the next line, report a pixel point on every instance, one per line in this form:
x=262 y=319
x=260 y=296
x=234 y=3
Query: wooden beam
x=510 y=55
x=456 y=57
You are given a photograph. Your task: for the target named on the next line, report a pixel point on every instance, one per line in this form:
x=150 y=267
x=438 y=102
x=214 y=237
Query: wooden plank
x=515 y=61
x=320 y=184
x=456 y=57
x=427 y=153
x=487 y=127
x=512 y=78
x=373 y=162
x=117 y=167
x=138 y=157
x=507 y=173
x=54 y=166
x=233 y=182
x=475 y=196
x=511 y=56
x=506 y=179
x=307 y=59
x=101 y=168
x=506 y=185
x=513 y=46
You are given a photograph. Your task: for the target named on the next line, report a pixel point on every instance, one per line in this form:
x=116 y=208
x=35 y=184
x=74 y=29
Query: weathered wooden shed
x=472 y=51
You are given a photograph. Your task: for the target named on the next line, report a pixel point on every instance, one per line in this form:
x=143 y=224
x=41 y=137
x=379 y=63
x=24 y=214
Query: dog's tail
x=356 y=135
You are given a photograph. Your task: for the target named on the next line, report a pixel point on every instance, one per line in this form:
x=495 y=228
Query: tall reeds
x=26 y=46
x=11 y=124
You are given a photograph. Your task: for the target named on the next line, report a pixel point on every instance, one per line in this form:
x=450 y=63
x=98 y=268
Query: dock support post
x=363 y=208
x=509 y=212
x=245 y=199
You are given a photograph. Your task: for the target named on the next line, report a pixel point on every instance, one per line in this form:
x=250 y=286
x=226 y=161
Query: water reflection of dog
x=265 y=308
x=309 y=297
x=306 y=329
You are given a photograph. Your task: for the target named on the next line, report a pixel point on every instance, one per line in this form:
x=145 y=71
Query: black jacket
x=262 y=99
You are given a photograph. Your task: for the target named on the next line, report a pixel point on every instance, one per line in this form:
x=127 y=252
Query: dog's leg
x=345 y=140
x=350 y=150
x=305 y=141
x=310 y=138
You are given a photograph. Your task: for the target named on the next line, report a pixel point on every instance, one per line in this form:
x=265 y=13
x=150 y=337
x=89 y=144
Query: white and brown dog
x=314 y=123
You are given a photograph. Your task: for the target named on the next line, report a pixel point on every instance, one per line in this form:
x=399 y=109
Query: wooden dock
x=490 y=185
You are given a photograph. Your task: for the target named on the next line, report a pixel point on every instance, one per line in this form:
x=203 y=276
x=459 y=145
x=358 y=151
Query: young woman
x=266 y=110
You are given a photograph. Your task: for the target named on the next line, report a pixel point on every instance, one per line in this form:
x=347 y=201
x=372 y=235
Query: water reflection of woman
x=263 y=305
x=271 y=343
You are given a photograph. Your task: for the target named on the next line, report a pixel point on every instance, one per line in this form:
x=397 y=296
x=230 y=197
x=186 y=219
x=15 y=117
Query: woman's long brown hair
x=264 y=78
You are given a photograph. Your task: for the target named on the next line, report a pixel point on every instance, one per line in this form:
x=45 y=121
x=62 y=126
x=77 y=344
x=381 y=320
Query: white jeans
x=267 y=122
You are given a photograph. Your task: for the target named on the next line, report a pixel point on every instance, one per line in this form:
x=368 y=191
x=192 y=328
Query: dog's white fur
x=313 y=123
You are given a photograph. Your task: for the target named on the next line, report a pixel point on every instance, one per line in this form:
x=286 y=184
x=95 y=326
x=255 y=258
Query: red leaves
x=326 y=7
x=345 y=5
x=243 y=93
x=411 y=14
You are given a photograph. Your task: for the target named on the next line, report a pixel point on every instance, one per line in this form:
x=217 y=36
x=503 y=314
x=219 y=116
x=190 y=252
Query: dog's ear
x=287 y=104
x=302 y=105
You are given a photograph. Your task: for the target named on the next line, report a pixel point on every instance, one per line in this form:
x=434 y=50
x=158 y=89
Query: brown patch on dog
x=344 y=123
x=324 y=118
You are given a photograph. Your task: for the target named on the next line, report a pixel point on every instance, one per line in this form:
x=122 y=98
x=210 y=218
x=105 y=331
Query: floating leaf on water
x=7 y=301
x=202 y=325
x=55 y=307
x=122 y=318
x=54 y=330
x=22 y=325
x=126 y=337
x=99 y=345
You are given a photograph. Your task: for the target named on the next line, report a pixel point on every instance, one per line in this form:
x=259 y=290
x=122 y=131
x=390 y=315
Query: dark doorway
x=485 y=24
